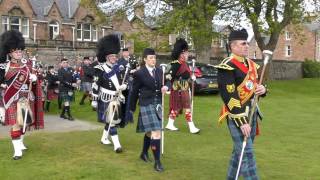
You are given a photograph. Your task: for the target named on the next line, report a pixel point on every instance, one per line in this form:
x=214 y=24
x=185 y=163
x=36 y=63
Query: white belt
x=106 y=95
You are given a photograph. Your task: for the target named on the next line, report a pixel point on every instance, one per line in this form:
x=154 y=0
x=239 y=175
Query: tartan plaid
x=86 y=86
x=179 y=100
x=248 y=167
x=51 y=95
x=101 y=111
x=64 y=96
x=11 y=112
x=148 y=119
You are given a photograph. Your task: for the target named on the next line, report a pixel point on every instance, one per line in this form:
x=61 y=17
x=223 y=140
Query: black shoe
x=158 y=166
x=70 y=118
x=145 y=157
x=119 y=150
x=63 y=116
x=17 y=157
x=81 y=103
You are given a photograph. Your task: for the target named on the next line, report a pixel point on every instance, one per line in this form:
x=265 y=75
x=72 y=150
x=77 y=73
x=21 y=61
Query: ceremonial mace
x=192 y=86
x=267 y=56
x=163 y=66
x=112 y=101
x=29 y=94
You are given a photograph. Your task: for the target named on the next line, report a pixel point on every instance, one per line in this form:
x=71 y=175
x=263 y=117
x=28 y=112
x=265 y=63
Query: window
x=15 y=23
x=122 y=41
x=25 y=27
x=53 y=30
x=87 y=32
x=5 y=24
x=79 y=32
x=255 y=55
x=288 y=51
x=221 y=43
x=94 y=33
x=288 y=35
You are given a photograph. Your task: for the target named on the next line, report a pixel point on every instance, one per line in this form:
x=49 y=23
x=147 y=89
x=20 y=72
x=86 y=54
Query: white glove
x=4 y=86
x=2 y=115
x=123 y=87
x=193 y=77
x=74 y=85
x=33 y=77
x=94 y=104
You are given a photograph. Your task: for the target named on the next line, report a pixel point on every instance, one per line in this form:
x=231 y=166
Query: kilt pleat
x=148 y=119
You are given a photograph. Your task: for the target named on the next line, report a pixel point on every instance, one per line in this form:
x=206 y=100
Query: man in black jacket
x=66 y=87
x=147 y=87
x=86 y=74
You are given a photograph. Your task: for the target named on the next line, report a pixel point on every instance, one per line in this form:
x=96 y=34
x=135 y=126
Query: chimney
x=69 y=9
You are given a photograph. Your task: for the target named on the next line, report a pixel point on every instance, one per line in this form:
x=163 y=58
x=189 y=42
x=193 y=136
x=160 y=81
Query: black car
x=206 y=76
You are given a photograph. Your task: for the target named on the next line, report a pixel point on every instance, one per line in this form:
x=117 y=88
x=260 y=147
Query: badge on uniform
x=230 y=88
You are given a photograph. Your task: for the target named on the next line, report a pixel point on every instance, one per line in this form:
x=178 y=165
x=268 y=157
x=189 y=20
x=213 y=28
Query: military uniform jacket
x=107 y=81
x=66 y=79
x=179 y=71
x=145 y=87
x=237 y=80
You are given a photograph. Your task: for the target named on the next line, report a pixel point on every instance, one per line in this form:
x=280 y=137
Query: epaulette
x=175 y=61
x=98 y=66
x=224 y=64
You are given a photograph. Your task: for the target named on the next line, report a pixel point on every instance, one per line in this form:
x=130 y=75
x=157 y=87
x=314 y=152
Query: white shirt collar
x=150 y=69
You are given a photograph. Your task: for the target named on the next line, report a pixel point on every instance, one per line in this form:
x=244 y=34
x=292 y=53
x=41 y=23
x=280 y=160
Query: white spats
x=116 y=143
x=171 y=126
x=193 y=128
x=22 y=146
x=17 y=149
x=104 y=138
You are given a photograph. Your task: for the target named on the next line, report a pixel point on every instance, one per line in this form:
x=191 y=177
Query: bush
x=311 y=69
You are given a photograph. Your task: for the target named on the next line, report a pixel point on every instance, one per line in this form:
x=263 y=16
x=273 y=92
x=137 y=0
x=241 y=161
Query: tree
x=267 y=17
x=270 y=17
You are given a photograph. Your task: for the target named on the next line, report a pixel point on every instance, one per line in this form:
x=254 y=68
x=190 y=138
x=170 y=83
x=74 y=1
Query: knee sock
x=155 y=146
x=146 y=144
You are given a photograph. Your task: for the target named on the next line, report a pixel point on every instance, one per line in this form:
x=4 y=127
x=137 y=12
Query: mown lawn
x=288 y=148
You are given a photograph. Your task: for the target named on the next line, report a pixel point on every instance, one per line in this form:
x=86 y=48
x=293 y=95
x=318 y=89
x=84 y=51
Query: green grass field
x=288 y=147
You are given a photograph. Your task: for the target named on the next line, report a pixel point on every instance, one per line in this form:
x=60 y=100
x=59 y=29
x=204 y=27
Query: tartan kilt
x=179 y=100
x=11 y=113
x=86 y=86
x=51 y=95
x=148 y=119
x=64 y=96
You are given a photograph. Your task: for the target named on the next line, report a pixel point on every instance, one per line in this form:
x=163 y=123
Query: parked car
x=206 y=77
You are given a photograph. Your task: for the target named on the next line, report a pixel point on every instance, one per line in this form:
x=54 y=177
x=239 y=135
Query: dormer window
x=288 y=35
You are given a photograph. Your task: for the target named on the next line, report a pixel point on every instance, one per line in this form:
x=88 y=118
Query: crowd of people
x=114 y=86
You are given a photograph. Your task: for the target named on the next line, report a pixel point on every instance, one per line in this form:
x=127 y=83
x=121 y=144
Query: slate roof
x=42 y=7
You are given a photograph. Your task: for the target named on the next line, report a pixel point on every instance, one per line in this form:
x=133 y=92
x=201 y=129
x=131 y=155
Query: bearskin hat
x=148 y=51
x=238 y=35
x=109 y=44
x=180 y=46
x=10 y=40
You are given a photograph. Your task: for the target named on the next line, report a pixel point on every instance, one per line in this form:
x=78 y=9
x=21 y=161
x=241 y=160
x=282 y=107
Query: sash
x=183 y=68
x=246 y=88
x=14 y=88
x=111 y=74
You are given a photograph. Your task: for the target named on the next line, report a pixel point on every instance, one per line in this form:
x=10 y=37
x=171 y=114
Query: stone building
x=53 y=28
x=294 y=44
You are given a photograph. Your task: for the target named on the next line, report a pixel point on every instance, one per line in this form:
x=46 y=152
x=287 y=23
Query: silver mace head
x=267 y=54
x=163 y=66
